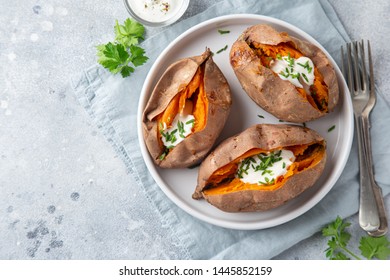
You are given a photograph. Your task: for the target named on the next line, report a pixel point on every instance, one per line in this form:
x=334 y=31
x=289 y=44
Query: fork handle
x=376 y=189
x=368 y=211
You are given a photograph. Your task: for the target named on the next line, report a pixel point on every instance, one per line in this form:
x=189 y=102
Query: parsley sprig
x=123 y=54
x=370 y=247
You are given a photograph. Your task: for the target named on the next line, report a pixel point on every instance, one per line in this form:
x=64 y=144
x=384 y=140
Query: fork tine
x=370 y=64
x=358 y=82
x=364 y=70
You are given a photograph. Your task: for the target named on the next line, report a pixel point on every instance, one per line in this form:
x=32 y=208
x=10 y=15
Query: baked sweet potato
x=261 y=168
x=186 y=112
x=273 y=69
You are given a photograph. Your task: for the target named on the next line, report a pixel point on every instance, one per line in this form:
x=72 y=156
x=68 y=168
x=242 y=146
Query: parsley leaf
x=378 y=247
x=113 y=57
x=337 y=245
x=137 y=55
x=370 y=247
x=129 y=33
x=122 y=55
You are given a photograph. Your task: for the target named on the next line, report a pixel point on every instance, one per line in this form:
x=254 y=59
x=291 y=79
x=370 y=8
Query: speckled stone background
x=64 y=194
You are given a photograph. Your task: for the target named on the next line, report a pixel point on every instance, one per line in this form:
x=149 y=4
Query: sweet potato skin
x=266 y=137
x=196 y=146
x=277 y=96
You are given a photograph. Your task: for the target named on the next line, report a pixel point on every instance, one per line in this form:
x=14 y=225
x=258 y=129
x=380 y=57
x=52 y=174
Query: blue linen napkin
x=111 y=102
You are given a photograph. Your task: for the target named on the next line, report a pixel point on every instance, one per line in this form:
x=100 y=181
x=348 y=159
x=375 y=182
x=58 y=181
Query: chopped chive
x=281 y=120
x=163 y=155
x=223 y=49
x=223 y=31
x=284 y=74
x=291 y=62
x=278 y=56
x=260 y=116
x=304 y=76
x=296 y=76
x=190 y=121
x=304 y=124
x=284 y=165
x=180 y=126
x=331 y=128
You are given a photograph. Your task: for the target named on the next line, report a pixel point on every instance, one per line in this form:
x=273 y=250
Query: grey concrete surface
x=64 y=194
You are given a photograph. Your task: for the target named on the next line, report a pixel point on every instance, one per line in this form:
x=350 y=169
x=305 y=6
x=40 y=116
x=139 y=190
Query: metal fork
x=372 y=213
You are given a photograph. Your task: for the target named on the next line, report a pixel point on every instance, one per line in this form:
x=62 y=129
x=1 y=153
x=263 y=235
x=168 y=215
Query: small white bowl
x=156 y=13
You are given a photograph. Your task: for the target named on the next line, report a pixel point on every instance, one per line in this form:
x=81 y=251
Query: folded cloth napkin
x=111 y=102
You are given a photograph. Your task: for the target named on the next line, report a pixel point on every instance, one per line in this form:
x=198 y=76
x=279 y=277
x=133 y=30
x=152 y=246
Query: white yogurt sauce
x=294 y=70
x=264 y=169
x=155 y=10
x=181 y=127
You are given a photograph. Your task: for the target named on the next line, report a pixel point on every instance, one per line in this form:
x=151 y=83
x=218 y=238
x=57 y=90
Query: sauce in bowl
x=156 y=12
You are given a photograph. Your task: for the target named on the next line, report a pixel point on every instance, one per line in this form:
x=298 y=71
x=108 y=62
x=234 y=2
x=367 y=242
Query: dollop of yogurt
x=293 y=70
x=264 y=169
x=155 y=10
x=181 y=127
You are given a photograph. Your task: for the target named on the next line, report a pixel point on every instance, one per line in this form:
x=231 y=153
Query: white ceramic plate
x=179 y=184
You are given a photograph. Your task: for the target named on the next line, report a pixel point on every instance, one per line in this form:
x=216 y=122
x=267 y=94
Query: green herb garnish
x=123 y=54
x=223 y=49
x=169 y=136
x=266 y=161
x=223 y=31
x=305 y=77
x=284 y=74
x=164 y=154
x=331 y=128
x=306 y=66
x=192 y=121
x=260 y=116
x=370 y=247
x=296 y=76
x=180 y=126
x=290 y=60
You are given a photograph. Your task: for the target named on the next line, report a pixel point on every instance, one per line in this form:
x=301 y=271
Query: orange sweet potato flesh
x=223 y=181
x=191 y=100
x=318 y=96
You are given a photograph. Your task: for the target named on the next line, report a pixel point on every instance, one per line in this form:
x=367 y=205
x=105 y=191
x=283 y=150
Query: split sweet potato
x=252 y=57
x=219 y=181
x=193 y=87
